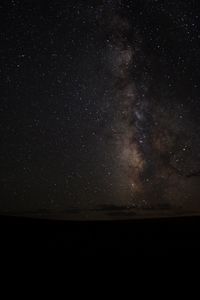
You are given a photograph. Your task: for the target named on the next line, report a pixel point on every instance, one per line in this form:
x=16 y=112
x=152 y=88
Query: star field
x=99 y=104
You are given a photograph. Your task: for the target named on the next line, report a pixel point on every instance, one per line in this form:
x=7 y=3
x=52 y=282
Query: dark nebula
x=100 y=104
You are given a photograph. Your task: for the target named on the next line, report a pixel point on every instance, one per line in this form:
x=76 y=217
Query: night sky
x=99 y=104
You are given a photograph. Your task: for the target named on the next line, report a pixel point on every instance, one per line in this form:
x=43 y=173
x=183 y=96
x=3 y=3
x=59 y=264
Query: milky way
x=129 y=115
x=147 y=135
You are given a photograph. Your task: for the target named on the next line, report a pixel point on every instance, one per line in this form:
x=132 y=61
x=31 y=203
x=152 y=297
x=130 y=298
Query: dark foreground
x=152 y=236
